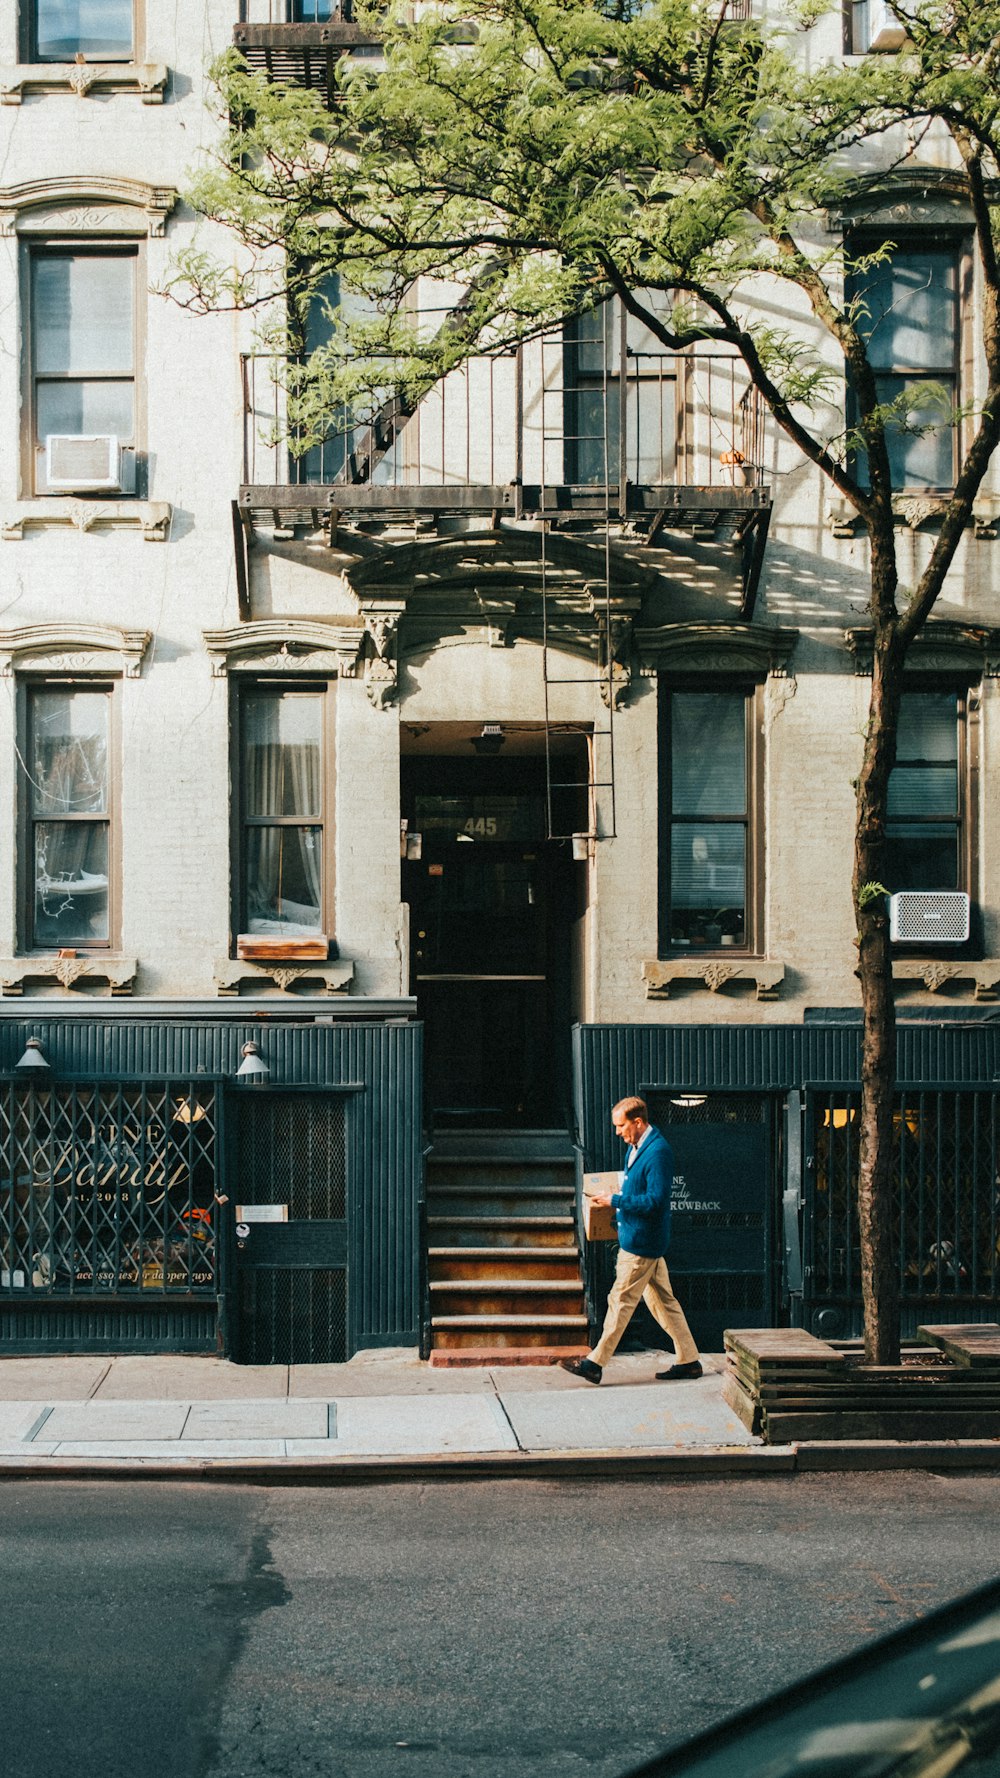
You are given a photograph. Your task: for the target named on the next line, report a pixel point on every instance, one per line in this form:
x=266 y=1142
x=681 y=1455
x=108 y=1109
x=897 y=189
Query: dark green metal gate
x=292 y=1275
x=109 y=1226
x=946 y=1207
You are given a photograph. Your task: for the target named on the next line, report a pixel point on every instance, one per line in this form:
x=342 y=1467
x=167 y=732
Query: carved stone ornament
x=748 y=649
x=72 y=648
x=29 y=206
x=147 y=79
x=712 y=973
x=232 y=974
x=943 y=646
x=983 y=978
x=151 y=517
x=293 y=645
x=381 y=668
x=69 y=972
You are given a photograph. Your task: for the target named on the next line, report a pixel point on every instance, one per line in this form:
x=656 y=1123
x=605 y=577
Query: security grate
x=946 y=1196
x=701 y=1291
x=107 y=1189
x=291 y=1150
x=683 y=1107
x=292 y=1315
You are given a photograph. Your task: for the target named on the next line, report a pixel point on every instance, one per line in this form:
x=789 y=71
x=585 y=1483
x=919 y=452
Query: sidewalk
x=386 y=1416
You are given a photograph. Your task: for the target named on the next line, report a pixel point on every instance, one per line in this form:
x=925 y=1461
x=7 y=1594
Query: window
x=310 y=12
x=871 y=25
x=98 y=30
x=594 y=346
x=928 y=799
x=708 y=841
x=68 y=805
x=328 y=460
x=912 y=304
x=83 y=350
x=284 y=886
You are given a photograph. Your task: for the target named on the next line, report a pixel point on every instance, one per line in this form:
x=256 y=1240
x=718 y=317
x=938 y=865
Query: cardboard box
x=599 y=1223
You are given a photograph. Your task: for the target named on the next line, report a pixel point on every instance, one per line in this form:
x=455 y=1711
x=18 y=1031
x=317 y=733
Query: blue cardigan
x=643 y=1204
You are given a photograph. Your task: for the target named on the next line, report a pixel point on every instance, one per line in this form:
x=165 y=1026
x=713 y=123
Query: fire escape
x=541 y=492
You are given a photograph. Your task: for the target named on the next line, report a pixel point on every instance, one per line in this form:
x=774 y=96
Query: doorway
x=495 y=906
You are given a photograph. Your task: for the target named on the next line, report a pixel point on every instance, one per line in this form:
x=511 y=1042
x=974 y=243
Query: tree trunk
x=877 y=1213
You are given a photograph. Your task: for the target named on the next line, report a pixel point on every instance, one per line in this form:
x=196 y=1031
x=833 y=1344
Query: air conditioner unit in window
x=929 y=916
x=83 y=463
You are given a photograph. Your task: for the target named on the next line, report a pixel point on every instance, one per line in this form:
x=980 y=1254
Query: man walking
x=642 y=1209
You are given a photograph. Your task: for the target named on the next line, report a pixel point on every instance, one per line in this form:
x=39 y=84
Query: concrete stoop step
x=503 y=1258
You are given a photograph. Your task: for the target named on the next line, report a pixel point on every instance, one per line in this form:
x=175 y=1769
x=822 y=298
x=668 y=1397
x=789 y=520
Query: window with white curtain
x=284 y=887
x=707 y=834
x=66 y=768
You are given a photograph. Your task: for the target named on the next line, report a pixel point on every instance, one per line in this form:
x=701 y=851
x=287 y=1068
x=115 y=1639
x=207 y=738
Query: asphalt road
x=478 y=1630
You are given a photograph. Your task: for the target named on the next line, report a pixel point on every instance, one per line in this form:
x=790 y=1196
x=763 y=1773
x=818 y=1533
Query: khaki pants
x=649 y=1279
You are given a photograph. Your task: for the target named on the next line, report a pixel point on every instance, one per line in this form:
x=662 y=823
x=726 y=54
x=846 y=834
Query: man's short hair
x=632 y=1107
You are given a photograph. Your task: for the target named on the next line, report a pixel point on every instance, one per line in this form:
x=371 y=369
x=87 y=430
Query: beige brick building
x=546 y=726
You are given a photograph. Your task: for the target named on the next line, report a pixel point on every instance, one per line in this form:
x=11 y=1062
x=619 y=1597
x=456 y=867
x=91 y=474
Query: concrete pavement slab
x=375 y=1373
x=257 y=1420
x=17 y=1419
x=51 y=1379
x=400 y=1424
x=634 y=1369
x=109 y=1422
x=659 y=1416
x=173 y=1451
x=170 y=1378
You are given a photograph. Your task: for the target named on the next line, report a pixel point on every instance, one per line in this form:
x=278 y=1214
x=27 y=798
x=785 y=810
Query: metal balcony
x=299 y=42
x=677 y=444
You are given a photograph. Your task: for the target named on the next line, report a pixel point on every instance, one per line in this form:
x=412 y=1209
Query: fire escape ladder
x=600 y=783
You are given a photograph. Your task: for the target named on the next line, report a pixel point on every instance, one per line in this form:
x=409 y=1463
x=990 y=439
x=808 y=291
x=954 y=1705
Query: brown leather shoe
x=679 y=1373
x=582 y=1367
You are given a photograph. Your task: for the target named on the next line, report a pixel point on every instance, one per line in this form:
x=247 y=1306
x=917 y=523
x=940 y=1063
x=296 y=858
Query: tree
x=544 y=155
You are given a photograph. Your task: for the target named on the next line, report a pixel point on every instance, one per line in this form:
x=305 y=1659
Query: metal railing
x=673 y=419
x=296 y=12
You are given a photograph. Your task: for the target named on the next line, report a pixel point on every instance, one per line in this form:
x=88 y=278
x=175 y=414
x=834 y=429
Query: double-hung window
x=68 y=805
x=83 y=350
x=98 y=30
x=909 y=313
x=284 y=874
x=927 y=831
x=709 y=866
x=600 y=349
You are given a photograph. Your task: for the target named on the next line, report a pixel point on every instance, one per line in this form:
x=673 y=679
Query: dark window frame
x=909 y=241
x=108 y=246
x=751 y=690
x=32 y=54
x=29 y=685
x=622 y=395
x=323 y=688
x=967 y=694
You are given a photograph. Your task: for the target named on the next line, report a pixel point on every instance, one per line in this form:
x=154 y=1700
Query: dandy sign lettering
x=683 y=1201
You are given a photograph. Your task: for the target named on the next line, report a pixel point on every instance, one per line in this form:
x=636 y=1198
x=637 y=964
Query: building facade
x=473 y=780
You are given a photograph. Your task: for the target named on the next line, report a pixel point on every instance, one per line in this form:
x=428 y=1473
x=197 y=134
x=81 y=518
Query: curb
x=711 y=1462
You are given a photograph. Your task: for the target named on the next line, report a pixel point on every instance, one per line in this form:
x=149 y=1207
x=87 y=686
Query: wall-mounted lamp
x=34 y=1059
x=583 y=847
x=252 y=1068
x=490 y=741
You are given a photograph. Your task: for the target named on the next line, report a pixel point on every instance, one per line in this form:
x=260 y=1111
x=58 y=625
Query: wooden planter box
x=787 y=1386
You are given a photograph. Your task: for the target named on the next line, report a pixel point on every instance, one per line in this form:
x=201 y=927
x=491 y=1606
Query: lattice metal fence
x=108 y=1189
x=294 y=1316
x=946 y=1202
